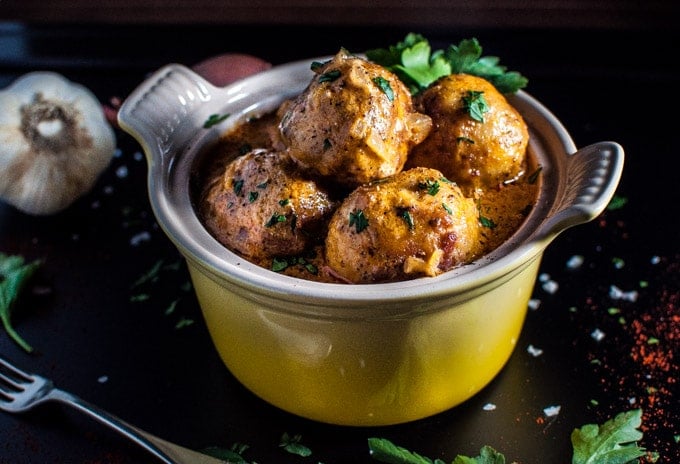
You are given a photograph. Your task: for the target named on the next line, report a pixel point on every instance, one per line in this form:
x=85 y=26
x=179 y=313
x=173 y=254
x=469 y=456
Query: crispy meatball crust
x=262 y=207
x=413 y=224
x=476 y=155
x=355 y=122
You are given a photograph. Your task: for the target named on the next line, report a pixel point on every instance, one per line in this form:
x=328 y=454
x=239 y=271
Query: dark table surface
x=160 y=372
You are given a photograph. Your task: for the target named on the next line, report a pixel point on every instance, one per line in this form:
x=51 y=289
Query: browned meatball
x=262 y=207
x=355 y=122
x=477 y=154
x=413 y=224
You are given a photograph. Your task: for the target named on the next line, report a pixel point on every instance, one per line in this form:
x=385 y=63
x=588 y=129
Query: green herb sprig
x=14 y=276
x=414 y=62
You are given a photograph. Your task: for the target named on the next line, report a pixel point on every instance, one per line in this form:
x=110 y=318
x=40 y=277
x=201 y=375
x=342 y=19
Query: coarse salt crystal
x=616 y=293
x=122 y=172
x=103 y=379
x=550 y=286
x=138 y=156
x=597 y=335
x=551 y=411
x=533 y=351
x=489 y=407
x=575 y=262
x=534 y=304
x=139 y=238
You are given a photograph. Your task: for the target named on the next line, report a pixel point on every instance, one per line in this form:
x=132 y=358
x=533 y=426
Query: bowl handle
x=163 y=112
x=592 y=175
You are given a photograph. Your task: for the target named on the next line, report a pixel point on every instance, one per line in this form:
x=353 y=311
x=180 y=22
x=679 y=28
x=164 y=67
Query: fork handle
x=166 y=452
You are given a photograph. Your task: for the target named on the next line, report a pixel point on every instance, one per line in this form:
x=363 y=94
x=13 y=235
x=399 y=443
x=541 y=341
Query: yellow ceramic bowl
x=355 y=354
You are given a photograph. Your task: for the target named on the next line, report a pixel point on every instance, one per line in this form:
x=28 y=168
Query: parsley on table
x=414 y=62
x=14 y=274
x=613 y=442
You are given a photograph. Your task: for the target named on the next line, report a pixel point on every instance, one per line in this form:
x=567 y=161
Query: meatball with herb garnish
x=354 y=123
x=477 y=139
x=262 y=207
x=413 y=224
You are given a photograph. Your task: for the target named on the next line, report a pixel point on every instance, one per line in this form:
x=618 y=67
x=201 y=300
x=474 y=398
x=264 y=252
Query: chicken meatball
x=355 y=122
x=262 y=207
x=477 y=139
x=416 y=223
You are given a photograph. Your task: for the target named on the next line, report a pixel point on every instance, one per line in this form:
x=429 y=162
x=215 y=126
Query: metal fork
x=21 y=391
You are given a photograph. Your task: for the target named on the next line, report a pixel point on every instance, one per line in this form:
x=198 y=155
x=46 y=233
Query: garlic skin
x=54 y=142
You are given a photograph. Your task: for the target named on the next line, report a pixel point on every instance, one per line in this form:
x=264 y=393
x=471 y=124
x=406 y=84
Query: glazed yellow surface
x=360 y=371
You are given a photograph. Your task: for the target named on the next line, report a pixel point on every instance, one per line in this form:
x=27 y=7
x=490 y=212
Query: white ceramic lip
x=166 y=112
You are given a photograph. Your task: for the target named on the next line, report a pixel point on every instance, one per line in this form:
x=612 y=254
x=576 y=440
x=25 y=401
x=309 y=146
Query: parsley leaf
x=414 y=62
x=214 y=119
x=359 y=220
x=14 y=274
x=384 y=450
x=612 y=442
x=293 y=445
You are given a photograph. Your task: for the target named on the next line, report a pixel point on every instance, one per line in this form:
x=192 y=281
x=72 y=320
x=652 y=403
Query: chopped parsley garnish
x=329 y=76
x=407 y=217
x=294 y=445
x=262 y=185
x=465 y=139
x=447 y=208
x=316 y=65
x=432 y=186
x=275 y=219
x=252 y=196
x=214 y=119
x=487 y=222
x=237 y=186
x=617 y=202
x=533 y=177
x=284 y=202
x=326 y=144
x=245 y=148
x=358 y=220
x=280 y=264
x=414 y=62
x=475 y=104
x=384 y=85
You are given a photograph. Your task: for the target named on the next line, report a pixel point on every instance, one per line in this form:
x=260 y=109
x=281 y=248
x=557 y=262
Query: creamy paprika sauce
x=501 y=210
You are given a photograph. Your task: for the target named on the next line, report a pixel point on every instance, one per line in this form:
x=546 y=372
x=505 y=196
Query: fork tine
x=11 y=375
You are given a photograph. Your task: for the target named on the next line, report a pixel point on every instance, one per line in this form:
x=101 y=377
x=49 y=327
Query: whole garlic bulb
x=54 y=142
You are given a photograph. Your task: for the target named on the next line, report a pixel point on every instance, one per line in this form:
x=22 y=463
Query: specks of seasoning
x=465 y=140
x=327 y=144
